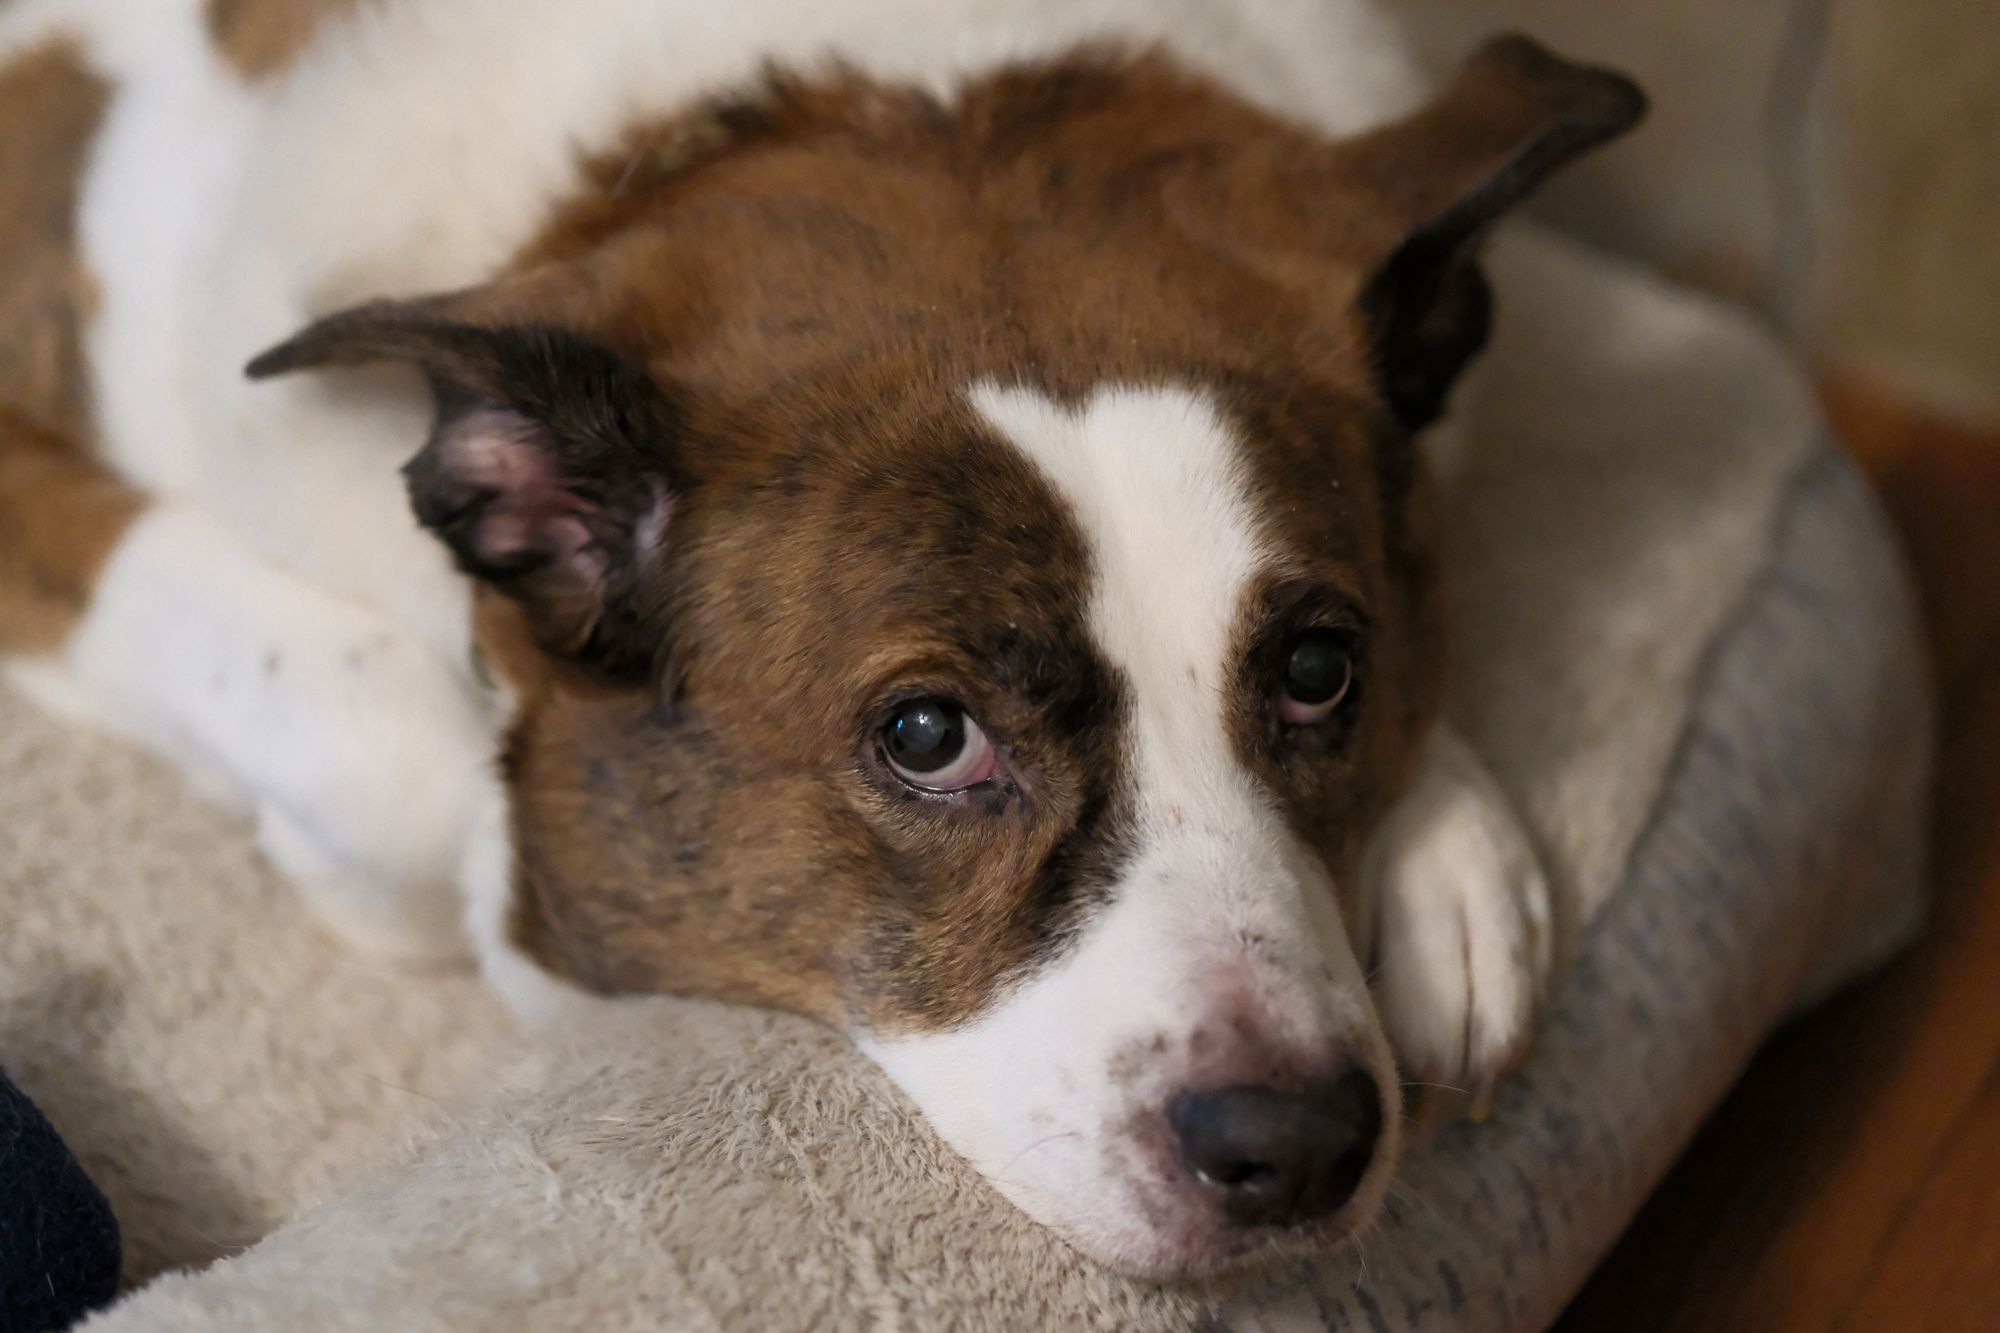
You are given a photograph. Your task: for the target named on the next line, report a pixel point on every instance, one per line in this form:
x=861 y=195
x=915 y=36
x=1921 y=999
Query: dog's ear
x=548 y=472
x=1439 y=178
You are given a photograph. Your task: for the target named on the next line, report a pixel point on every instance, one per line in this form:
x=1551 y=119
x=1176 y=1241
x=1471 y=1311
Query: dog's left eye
x=934 y=745
x=1318 y=671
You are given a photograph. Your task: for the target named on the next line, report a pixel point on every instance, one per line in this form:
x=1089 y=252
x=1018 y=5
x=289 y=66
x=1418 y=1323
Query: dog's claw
x=1462 y=941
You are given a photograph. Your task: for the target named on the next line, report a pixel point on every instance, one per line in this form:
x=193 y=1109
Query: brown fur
x=809 y=276
x=261 y=38
x=833 y=276
x=50 y=106
x=60 y=517
x=756 y=794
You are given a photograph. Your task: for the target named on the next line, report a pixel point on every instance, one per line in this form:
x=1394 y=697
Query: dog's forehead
x=893 y=539
x=1154 y=479
x=1186 y=529
x=1088 y=221
x=1019 y=530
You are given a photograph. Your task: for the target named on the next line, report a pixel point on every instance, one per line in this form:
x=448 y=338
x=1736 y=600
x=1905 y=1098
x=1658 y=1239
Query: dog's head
x=963 y=572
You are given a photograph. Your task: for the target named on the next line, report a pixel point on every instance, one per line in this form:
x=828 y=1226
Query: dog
x=912 y=514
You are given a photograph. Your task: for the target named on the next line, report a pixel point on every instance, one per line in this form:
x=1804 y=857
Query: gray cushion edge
x=1784 y=853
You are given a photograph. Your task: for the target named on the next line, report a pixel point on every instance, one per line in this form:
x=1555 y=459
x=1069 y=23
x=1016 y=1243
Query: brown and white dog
x=921 y=500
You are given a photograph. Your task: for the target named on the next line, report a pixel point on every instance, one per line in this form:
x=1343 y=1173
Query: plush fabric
x=212 y=1056
x=1681 y=642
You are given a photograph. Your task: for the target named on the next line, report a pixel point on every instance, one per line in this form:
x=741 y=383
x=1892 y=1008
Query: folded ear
x=1513 y=115
x=547 y=472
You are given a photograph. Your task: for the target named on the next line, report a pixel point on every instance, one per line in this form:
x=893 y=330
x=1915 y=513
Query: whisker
x=1038 y=1143
x=235 y=1246
x=427 y=1096
x=625 y=176
x=1403 y=1191
x=1361 y=1239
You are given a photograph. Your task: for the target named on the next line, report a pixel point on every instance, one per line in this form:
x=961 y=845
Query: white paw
x=1463 y=944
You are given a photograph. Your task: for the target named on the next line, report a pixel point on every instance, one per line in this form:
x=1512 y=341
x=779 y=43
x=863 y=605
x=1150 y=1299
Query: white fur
x=401 y=156
x=357 y=748
x=1464 y=943
x=1222 y=918
x=412 y=148
x=415 y=146
x=536 y=996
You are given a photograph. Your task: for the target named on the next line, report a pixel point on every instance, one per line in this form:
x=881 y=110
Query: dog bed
x=1682 y=641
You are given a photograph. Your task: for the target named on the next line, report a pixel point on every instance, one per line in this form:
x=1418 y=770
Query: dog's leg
x=358 y=750
x=1463 y=945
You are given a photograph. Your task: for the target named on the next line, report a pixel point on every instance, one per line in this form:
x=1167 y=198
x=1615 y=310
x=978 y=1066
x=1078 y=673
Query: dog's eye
x=934 y=745
x=1319 y=668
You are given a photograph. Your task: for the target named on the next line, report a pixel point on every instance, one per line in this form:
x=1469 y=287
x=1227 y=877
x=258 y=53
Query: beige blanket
x=221 y=1066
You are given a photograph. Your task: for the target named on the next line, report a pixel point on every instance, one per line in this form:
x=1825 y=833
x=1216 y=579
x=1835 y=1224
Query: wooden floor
x=1852 y=1180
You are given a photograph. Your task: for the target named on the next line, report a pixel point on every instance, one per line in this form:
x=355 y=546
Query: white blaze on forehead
x=1153 y=478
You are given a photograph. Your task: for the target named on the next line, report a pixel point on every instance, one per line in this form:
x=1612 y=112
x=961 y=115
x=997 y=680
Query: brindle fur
x=810 y=276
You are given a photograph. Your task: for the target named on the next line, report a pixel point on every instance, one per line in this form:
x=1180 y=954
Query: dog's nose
x=1281 y=1158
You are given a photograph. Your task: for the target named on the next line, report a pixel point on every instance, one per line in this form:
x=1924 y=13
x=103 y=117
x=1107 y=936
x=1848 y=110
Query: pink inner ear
x=532 y=510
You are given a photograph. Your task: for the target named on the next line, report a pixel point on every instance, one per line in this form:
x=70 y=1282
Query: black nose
x=1281 y=1157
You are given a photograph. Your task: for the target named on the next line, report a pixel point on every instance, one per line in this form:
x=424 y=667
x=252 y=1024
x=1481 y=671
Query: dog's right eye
x=934 y=745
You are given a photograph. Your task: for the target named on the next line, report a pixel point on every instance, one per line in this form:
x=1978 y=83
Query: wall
x=1835 y=163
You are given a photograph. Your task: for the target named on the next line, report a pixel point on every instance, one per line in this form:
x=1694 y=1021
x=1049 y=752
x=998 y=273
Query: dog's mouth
x=1222 y=1257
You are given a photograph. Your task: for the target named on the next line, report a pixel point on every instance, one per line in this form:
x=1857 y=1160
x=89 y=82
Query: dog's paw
x=1462 y=945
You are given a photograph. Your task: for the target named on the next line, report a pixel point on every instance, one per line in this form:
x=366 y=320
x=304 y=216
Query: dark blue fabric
x=59 y=1251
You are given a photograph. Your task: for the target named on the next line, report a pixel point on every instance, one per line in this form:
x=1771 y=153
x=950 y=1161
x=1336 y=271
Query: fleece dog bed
x=1682 y=642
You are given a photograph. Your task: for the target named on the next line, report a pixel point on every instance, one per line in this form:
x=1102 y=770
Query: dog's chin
x=1215 y=1255
x=1218 y=1257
